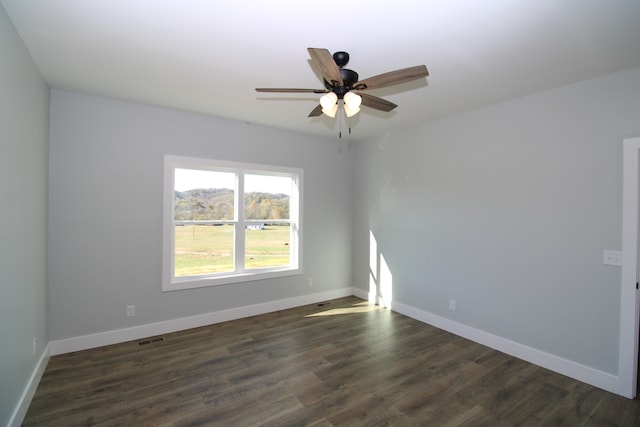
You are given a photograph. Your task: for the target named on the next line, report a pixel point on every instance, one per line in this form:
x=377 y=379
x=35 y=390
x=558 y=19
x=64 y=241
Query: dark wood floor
x=342 y=363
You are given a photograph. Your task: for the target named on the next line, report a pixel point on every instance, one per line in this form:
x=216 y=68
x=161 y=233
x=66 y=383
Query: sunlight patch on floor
x=363 y=307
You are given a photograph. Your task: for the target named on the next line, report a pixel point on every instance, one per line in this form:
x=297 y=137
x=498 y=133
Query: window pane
x=267 y=245
x=203 y=249
x=266 y=196
x=203 y=195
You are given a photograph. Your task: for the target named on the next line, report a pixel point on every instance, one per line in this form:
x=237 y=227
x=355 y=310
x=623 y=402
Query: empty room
x=343 y=213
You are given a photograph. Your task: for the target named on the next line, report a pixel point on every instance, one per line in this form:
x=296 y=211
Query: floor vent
x=322 y=304
x=150 y=341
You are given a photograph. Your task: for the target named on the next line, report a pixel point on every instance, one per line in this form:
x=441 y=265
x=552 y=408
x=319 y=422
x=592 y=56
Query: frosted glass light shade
x=352 y=103
x=332 y=111
x=352 y=100
x=350 y=112
x=328 y=100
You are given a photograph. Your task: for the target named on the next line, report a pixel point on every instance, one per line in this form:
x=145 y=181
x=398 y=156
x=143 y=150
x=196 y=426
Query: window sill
x=192 y=282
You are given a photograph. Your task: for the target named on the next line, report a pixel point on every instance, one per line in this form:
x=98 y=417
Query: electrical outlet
x=35 y=346
x=452 y=305
x=612 y=258
x=310 y=282
x=131 y=310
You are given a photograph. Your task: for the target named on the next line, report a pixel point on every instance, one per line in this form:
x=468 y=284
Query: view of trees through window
x=218 y=204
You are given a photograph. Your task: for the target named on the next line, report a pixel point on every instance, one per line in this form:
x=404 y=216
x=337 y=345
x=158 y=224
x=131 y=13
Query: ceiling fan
x=343 y=84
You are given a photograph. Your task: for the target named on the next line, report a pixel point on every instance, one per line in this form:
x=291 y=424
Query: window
x=229 y=222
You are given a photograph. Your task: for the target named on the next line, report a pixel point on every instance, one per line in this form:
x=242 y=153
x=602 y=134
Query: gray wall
x=507 y=210
x=24 y=118
x=105 y=211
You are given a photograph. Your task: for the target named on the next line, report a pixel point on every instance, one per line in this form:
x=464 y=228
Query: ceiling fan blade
x=376 y=103
x=393 y=78
x=288 y=90
x=316 y=111
x=324 y=62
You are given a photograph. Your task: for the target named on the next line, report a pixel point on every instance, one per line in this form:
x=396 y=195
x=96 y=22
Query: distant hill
x=217 y=203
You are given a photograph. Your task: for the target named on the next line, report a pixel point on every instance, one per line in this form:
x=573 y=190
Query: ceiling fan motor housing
x=349 y=77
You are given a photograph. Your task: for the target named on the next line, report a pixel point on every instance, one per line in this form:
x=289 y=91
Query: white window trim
x=169 y=282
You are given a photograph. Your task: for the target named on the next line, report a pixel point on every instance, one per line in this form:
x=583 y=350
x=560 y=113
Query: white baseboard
x=165 y=327
x=586 y=374
x=21 y=408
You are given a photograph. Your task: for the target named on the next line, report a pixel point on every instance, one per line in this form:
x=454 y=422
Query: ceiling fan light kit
x=344 y=88
x=330 y=104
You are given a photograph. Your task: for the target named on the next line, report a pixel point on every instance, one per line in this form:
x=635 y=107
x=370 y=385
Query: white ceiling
x=207 y=56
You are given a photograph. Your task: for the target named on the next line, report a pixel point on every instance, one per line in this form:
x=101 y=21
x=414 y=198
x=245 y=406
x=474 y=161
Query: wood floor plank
x=339 y=363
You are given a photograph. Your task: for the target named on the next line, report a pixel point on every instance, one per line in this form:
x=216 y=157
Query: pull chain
x=340 y=125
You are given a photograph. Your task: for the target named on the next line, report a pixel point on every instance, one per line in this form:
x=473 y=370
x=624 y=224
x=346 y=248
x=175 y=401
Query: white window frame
x=172 y=283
